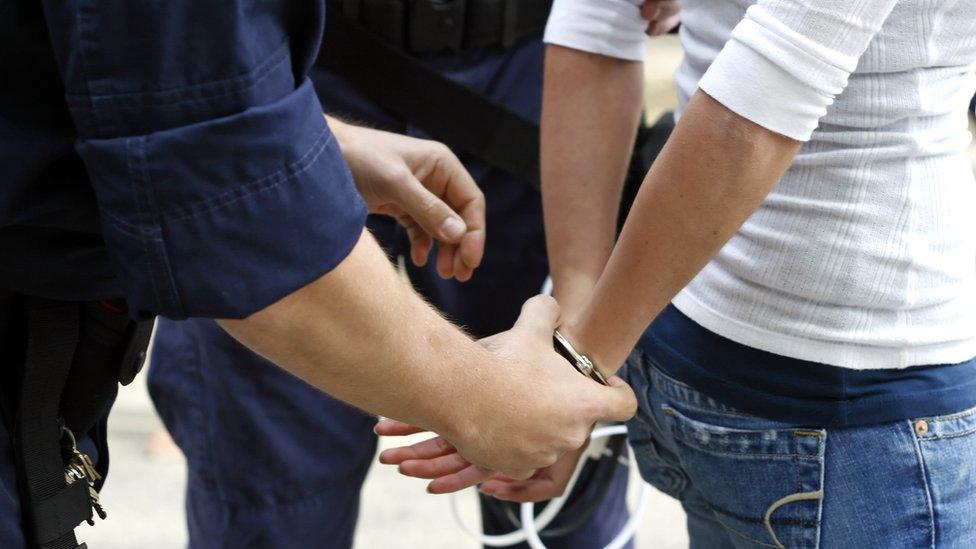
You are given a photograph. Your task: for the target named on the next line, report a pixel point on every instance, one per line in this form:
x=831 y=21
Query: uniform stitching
x=255 y=75
x=272 y=180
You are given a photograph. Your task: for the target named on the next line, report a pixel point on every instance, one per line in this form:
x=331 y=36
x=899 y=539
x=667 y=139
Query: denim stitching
x=668 y=380
x=743 y=535
x=925 y=483
x=677 y=434
x=270 y=181
x=946 y=437
x=744 y=454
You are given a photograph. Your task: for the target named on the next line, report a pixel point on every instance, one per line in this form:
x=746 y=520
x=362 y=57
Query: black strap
x=52 y=507
x=403 y=85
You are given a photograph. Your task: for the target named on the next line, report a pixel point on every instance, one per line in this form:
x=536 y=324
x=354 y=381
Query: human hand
x=545 y=484
x=661 y=15
x=424 y=186
x=545 y=410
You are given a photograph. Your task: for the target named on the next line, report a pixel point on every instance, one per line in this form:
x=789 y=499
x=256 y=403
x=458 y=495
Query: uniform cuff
x=222 y=218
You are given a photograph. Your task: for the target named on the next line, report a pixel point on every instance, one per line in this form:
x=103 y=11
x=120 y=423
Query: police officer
x=173 y=159
x=295 y=483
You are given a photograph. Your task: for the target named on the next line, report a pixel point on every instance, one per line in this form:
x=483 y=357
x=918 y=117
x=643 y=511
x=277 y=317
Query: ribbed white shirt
x=864 y=255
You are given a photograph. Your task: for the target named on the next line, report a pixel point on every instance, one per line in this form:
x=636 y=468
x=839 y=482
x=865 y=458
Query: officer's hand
x=425 y=188
x=547 y=410
x=547 y=483
x=661 y=15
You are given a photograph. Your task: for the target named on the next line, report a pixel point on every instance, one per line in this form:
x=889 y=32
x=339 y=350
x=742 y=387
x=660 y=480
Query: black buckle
x=134 y=356
x=436 y=26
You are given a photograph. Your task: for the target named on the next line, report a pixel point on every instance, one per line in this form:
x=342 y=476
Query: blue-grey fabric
x=906 y=483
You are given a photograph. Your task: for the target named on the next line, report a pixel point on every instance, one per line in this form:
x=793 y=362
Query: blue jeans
x=745 y=481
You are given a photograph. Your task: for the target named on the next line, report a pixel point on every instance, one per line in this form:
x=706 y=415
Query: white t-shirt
x=864 y=255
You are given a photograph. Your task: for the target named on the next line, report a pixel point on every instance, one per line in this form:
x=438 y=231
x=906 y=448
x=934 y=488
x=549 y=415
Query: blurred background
x=144 y=492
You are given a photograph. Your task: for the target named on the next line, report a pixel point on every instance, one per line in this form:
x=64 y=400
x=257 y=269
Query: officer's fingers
x=433 y=468
x=669 y=8
x=619 y=401
x=420 y=246
x=393 y=428
x=671 y=22
x=428 y=449
x=540 y=315
x=461 y=271
x=471 y=249
x=668 y=19
x=472 y=210
x=460 y=190
x=445 y=260
x=465 y=478
x=429 y=211
x=650 y=9
x=461 y=193
x=533 y=490
x=420 y=242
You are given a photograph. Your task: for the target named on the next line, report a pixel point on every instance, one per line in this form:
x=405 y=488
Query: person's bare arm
x=591 y=110
x=363 y=335
x=713 y=173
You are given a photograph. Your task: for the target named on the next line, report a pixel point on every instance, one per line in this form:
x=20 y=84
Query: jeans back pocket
x=764 y=485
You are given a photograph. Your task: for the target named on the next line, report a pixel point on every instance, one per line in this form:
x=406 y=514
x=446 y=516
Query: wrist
x=575 y=331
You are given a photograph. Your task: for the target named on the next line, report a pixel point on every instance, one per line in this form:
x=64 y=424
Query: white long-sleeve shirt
x=864 y=255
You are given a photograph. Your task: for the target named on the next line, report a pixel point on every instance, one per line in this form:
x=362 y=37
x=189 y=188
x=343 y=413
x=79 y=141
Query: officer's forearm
x=715 y=170
x=361 y=334
x=591 y=109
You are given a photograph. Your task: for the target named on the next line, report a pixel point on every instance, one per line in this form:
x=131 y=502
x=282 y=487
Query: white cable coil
x=532 y=525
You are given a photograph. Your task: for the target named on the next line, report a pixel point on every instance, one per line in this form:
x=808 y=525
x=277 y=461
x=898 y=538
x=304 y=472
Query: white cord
x=532 y=525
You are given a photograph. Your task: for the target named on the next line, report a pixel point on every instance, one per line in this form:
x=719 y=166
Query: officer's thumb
x=430 y=212
x=539 y=316
x=621 y=404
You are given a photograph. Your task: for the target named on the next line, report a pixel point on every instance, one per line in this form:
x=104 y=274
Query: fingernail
x=452 y=228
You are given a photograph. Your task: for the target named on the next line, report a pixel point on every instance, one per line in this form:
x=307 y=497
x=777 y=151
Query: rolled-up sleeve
x=787 y=60
x=606 y=27
x=220 y=187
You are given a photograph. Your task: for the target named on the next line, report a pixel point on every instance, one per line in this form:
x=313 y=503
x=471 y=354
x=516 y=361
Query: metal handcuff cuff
x=579 y=361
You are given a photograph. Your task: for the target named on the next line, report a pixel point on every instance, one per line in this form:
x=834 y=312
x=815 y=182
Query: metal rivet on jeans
x=921 y=427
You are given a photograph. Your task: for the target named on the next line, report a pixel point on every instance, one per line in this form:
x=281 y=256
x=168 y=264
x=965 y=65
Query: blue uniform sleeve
x=220 y=187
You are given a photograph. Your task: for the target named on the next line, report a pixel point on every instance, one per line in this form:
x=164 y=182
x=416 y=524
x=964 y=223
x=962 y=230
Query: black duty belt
x=389 y=75
x=450 y=112
x=430 y=26
x=73 y=357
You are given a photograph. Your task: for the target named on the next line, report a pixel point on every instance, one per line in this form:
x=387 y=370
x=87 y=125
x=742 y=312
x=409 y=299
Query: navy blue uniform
x=171 y=153
x=275 y=463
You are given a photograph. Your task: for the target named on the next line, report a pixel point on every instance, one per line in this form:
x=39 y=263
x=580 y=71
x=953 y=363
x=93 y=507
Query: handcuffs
x=579 y=361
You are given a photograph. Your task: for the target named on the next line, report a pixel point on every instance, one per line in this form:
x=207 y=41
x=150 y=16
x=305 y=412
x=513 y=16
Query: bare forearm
x=375 y=345
x=713 y=173
x=591 y=109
